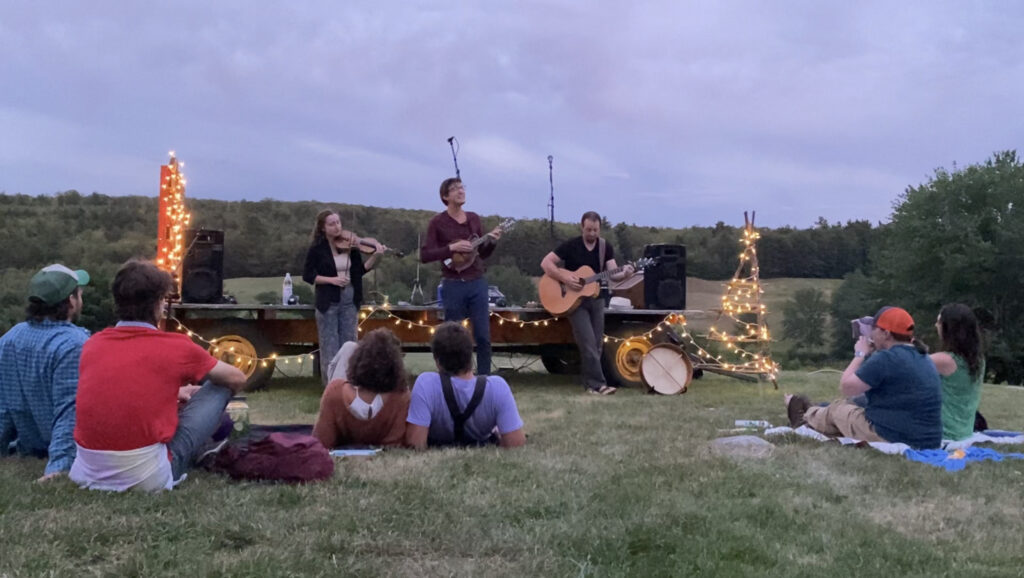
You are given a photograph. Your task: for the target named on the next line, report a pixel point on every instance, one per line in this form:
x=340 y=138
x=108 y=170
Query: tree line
x=269 y=238
x=954 y=238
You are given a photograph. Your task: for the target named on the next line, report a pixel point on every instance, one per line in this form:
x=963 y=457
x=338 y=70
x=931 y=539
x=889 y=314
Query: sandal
x=798 y=405
x=607 y=390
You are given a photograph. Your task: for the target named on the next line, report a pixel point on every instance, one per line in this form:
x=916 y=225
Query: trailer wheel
x=236 y=342
x=621 y=360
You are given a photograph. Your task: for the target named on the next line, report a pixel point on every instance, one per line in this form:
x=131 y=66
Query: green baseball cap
x=55 y=283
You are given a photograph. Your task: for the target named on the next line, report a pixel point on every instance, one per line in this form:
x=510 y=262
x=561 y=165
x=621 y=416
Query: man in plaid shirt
x=39 y=371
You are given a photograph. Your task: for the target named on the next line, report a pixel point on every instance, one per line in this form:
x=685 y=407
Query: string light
x=743 y=297
x=172 y=219
x=752 y=362
x=240 y=356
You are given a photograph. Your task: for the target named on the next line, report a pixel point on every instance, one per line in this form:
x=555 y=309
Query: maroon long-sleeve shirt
x=444 y=230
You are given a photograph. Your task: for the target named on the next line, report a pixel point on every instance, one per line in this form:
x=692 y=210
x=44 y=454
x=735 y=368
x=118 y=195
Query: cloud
x=661 y=113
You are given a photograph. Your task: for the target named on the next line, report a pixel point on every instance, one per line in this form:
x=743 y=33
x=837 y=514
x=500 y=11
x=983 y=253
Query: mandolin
x=462 y=261
x=559 y=299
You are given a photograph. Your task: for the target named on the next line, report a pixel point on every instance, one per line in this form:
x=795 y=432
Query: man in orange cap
x=898 y=389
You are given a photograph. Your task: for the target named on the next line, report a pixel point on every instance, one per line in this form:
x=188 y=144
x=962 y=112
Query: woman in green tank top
x=961 y=364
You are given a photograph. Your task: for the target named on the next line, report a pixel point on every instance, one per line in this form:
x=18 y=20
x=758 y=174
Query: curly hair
x=452 y=348
x=376 y=364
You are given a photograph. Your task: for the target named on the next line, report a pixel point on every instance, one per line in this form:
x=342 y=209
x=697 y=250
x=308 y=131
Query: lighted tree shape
x=173 y=220
x=747 y=340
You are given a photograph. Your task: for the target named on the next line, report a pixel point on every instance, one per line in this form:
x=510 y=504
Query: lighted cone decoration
x=746 y=339
x=172 y=221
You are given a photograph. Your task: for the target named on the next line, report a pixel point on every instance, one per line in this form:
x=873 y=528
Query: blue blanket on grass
x=957 y=460
x=953 y=457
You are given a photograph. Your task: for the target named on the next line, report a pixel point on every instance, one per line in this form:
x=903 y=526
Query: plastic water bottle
x=286 y=289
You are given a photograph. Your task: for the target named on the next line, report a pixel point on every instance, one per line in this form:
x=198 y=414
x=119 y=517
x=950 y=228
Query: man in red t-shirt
x=130 y=431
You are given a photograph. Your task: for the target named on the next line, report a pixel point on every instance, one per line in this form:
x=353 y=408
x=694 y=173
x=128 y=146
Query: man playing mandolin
x=590 y=250
x=454 y=236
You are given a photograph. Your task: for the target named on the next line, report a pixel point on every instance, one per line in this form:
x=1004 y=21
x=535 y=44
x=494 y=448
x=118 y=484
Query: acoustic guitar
x=462 y=261
x=559 y=299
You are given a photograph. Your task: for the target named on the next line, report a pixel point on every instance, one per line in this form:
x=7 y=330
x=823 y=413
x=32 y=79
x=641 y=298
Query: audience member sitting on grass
x=961 y=365
x=901 y=388
x=130 y=431
x=39 y=371
x=369 y=404
x=454 y=407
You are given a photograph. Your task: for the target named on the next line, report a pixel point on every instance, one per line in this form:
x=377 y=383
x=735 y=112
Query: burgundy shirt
x=444 y=230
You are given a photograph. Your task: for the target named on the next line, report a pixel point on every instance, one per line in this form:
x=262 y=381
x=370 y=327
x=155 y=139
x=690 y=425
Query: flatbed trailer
x=252 y=337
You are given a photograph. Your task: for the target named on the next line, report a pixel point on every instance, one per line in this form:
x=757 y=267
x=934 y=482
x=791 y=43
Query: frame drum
x=666 y=369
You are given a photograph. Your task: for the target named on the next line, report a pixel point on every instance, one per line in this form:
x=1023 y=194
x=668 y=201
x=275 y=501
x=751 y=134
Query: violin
x=366 y=245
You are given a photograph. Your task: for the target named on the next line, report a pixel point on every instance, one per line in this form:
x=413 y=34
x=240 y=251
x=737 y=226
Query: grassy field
x=245 y=289
x=607 y=486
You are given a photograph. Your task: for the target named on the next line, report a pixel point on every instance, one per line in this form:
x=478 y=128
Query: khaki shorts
x=842 y=418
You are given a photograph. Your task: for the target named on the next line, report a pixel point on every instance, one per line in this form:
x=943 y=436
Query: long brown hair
x=318 y=229
x=960 y=334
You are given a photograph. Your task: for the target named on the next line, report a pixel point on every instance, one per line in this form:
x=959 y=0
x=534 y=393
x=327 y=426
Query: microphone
x=450 y=139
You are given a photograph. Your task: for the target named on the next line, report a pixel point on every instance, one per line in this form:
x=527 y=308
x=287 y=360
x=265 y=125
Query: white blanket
x=898 y=449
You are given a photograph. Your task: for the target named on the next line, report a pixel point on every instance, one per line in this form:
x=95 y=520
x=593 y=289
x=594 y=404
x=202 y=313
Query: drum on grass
x=666 y=369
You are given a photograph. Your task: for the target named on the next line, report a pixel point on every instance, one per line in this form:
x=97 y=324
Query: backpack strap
x=459 y=417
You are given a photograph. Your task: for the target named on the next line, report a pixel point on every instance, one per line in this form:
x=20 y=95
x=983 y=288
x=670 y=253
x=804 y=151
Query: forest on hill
x=269 y=238
x=954 y=238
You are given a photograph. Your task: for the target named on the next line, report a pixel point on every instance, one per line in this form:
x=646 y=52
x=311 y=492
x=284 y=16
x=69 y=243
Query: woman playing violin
x=336 y=272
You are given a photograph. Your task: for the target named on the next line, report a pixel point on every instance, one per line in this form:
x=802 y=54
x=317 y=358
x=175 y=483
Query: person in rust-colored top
x=369 y=406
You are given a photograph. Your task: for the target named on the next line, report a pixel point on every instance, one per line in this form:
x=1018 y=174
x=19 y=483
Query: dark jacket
x=320 y=261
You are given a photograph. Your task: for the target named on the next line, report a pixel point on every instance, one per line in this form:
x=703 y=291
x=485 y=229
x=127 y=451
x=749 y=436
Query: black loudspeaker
x=665 y=280
x=202 y=272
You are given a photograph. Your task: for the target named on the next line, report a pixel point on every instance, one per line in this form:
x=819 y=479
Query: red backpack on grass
x=279 y=456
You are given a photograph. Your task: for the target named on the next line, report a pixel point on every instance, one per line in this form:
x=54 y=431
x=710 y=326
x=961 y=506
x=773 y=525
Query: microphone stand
x=451 y=143
x=551 y=204
x=416 y=298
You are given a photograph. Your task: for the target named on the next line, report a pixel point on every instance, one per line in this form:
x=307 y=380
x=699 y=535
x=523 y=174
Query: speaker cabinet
x=665 y=280
x=202 y=272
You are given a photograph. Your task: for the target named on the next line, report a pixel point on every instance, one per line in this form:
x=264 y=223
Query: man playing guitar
x=463 y=287
x=588 y=319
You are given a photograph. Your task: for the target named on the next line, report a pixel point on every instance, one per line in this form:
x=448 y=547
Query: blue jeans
x=468 y=300
x=334 y=327
x=196 y=423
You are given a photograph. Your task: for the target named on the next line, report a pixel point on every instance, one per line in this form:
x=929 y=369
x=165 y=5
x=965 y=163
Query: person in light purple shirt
x=476 y=410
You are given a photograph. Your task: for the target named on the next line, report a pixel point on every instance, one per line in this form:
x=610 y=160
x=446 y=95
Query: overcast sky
x=657 y=113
